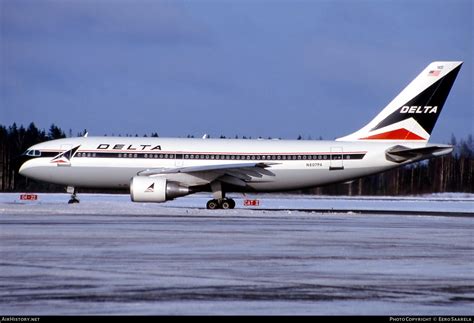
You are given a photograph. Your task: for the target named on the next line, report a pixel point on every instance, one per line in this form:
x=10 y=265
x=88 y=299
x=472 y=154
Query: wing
x=236 y=174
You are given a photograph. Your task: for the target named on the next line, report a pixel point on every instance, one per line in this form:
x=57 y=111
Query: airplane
x=162 y=169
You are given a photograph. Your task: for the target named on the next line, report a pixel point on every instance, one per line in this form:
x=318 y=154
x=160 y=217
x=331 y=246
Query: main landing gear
x=220 y=204
x=219 y=201
x=73 y=192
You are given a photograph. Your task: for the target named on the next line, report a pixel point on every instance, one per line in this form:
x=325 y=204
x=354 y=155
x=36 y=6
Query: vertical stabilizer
x=412 y=115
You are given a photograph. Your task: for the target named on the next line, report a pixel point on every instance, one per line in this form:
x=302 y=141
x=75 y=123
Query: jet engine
x=155 y=189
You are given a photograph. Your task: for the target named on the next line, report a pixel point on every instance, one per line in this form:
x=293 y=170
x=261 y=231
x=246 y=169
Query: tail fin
x=413 y=113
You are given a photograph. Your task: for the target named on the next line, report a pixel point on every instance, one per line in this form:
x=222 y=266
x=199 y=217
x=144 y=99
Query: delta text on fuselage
x=129 y=147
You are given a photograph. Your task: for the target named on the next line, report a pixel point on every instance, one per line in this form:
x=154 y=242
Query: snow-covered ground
x=106 y=203
x=108 y=255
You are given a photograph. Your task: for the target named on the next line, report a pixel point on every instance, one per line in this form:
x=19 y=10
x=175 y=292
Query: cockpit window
x=33 y=153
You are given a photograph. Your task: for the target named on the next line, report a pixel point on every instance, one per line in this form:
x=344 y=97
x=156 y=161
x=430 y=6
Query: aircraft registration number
x=314 y=164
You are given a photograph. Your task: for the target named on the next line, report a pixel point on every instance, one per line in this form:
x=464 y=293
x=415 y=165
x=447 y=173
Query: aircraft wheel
x=212 y=205
x=226 y=204
x=232 y=203
x=73 y=201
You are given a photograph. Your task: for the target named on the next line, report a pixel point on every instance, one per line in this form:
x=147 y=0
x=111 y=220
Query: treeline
x=451 y=173
x=14 y=141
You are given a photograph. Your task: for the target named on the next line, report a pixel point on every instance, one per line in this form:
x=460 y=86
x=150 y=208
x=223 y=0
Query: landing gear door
x=337 y=159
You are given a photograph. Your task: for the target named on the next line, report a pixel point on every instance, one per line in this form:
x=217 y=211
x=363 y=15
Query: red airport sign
x=251 y=202
x=28 y=197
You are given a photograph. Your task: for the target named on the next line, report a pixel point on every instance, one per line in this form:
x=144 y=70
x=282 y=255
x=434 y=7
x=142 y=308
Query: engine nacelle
x=155 y=189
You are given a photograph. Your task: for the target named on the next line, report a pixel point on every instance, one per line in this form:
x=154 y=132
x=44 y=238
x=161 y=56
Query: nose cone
x=23 y=169
x=40 y=169
x=26 y=169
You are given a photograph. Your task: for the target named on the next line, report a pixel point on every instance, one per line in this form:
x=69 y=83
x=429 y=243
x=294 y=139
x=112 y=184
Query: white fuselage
x=111 y=162
x=161 y=169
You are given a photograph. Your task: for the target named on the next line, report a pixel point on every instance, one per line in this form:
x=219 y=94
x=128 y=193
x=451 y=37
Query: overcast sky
x=231 y=67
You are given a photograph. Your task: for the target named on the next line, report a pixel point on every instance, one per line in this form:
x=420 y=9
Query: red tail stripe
x=399 y=134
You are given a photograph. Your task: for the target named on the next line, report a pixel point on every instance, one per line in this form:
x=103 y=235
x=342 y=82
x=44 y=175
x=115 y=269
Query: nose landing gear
x=73 y=192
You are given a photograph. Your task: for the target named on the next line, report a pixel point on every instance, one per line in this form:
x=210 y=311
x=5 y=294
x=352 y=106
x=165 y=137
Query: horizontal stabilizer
x=400 y=154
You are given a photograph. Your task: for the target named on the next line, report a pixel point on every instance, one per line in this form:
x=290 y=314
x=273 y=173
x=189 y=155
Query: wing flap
x=232 y=180
x=235 y=174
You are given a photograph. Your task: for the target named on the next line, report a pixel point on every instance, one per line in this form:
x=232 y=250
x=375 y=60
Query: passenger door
x=337 y=159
